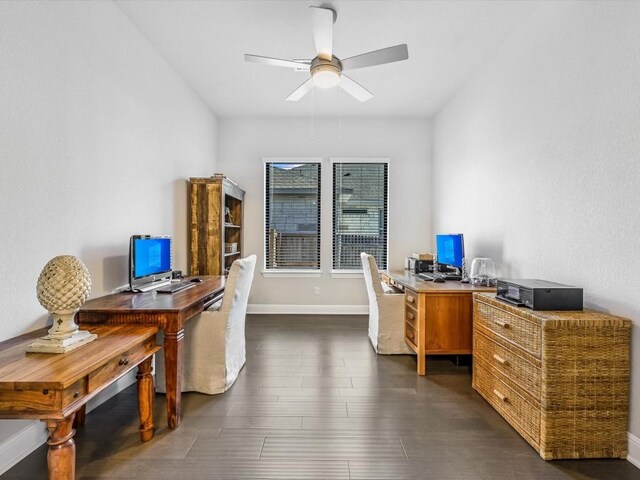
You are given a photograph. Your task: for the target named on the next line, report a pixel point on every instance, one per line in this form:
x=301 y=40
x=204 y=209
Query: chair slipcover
x=214 y=350
x=386 y=312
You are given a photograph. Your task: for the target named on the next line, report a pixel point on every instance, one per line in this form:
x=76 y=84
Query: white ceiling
x=205 y=42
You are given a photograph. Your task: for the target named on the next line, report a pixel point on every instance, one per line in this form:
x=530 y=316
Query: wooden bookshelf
x=216 y=224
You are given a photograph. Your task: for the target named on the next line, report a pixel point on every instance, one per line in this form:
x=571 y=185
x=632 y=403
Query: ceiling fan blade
x=322 y=21
x=301 y=91
x=276 y=62
x=354 y=89
x=377 y=57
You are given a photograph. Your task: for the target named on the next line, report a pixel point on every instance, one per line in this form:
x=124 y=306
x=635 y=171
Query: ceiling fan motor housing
x=321 y=65
x=326 y=73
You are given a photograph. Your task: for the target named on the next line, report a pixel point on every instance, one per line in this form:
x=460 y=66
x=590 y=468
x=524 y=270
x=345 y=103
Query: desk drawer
x=411 y=335
x=513 y=366
x=411 y=316
x=523 y=416
x=75 y=392
x=411 y=298
x=42 y=401
x=120 y=365
x=514 y=328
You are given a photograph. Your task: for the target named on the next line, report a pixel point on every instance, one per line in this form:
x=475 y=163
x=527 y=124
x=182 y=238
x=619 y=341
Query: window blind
x=360 y=200
x=292 y=216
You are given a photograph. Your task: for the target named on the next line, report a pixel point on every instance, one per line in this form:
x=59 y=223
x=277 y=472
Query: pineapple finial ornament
x=63 y=286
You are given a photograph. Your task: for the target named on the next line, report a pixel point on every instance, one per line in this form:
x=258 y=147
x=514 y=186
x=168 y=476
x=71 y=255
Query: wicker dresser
x=561 y=379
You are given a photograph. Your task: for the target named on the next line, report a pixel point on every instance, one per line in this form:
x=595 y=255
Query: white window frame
x=288 y=273
x=357 y=273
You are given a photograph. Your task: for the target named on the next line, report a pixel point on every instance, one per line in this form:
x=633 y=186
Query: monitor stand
x=151 y=286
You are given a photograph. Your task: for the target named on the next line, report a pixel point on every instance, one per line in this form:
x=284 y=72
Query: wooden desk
x=168 y=312
x=52 y=387
x=438 y=317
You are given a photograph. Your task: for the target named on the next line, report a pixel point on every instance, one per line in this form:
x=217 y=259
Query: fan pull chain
x=313 y=109
x=340 y=109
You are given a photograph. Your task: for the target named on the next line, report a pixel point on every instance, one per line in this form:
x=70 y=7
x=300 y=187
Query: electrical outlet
x=316 y=291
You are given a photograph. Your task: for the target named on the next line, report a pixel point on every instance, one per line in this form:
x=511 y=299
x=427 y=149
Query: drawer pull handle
x=502 y=324
x=76 y=394
x=501 y=396
x=410 y=316
x=410 y=299
x=123 y=361
x=499 y=359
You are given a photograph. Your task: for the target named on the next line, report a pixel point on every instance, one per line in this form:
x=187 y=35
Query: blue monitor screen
x=450 y=249
x=151 y=256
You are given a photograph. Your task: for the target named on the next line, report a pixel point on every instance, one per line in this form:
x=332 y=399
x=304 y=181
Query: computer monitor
x=149 y=261
x=450 y=250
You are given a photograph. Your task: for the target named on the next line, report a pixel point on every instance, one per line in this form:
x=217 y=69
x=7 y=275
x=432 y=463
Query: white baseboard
x=634 y=449
x=32 y=436
x=309 y=309
x=18 y=446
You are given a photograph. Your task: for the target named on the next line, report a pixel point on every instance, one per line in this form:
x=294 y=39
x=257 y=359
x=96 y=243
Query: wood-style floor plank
x=315 y=402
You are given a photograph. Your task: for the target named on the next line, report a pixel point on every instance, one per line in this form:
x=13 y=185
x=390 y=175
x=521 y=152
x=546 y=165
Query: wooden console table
x=438 y=317
x=169 y=312
x=52 y=387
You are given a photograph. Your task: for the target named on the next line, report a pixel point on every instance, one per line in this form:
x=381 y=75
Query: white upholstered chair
x=214 y=350
x=386 y=311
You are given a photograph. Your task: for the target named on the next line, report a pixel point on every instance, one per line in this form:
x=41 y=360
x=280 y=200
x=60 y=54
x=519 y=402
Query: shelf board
x=231 y=254
x=230 y=225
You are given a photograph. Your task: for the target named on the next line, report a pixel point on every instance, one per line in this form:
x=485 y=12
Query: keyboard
x=175 y=287
x=429 y=276
x=426 y=276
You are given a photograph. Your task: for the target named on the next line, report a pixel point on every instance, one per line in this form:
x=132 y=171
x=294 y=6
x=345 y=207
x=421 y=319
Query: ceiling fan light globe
x=326 y=79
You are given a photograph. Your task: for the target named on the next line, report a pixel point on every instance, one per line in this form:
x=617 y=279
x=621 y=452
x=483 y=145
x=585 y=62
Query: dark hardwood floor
x=315 y=402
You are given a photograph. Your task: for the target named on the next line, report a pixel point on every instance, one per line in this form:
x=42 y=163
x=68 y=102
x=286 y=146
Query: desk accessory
x=417 y=266
x=63 y=286
x=483 y=272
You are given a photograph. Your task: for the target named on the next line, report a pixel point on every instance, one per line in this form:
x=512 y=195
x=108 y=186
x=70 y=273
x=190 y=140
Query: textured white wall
x=243 y=143
x=536 y=159
x=97 y=137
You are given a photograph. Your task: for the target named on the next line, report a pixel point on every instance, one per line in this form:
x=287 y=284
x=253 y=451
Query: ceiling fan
x=326 y=69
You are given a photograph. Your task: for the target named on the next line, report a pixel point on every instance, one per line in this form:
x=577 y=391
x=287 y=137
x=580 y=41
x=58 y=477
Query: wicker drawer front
x=508 y=363
x=523 y=416
x=514 y=328
x=411 y=334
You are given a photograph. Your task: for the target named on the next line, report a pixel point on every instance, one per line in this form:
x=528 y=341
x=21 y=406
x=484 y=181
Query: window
x=292 y=215
x=360 y=192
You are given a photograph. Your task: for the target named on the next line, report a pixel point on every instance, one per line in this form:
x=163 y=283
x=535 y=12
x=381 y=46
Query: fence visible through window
x=360 y=192
x=292 y=216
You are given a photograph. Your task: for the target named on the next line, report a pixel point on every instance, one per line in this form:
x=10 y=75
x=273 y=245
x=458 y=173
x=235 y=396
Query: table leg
x=422 y=364
x=173 y=375
x=145 y=399
x=61 y=458
x=81 y=416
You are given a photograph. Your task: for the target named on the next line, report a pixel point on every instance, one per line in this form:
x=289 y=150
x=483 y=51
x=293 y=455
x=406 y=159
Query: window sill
x=347 y=274
x=291 y=273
